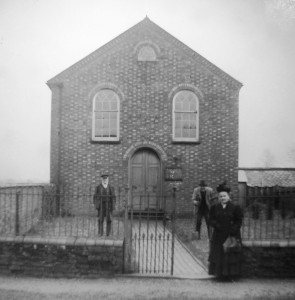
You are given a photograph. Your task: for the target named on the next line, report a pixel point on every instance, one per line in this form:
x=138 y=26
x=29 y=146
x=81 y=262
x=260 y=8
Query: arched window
x=106 y=108
x=147 y=53
x=185 y=116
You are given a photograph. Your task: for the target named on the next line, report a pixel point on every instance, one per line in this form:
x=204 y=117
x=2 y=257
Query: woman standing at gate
x=226 y=220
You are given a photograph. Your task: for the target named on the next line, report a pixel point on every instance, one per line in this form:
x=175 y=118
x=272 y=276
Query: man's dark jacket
x=105 y=197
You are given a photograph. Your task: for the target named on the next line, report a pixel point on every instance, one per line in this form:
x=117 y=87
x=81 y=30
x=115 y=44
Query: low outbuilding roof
x=268 y=177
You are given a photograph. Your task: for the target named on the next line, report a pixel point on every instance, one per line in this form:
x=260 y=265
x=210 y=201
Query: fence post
x=43 y=208
x=126 y=234
x=173 y=229
x=16 y=228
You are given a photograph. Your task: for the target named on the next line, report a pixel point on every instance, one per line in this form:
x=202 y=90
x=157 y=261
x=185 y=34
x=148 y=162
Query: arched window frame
x=96 y=111
x=192 y=112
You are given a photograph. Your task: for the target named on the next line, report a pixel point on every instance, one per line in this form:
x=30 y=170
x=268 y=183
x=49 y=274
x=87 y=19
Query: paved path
x=152 y=249
x=186 y=265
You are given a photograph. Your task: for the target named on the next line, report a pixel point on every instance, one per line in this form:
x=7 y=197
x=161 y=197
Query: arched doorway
x=145 y=180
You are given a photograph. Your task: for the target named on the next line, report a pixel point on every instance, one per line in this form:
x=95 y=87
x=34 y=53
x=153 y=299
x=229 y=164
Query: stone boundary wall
x=268 y=259
x=60 y=257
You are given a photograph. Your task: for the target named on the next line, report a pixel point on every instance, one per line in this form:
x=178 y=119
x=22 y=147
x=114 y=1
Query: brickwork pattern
x=53 y=258
x=145 y=117
x=269 y=261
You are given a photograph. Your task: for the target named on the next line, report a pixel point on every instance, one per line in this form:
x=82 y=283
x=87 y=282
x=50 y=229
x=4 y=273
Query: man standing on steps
x=104 y=202
x=202 y=200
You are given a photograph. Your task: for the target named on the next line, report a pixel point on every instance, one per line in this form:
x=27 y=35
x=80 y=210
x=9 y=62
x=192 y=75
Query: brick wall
x=60 y=258
x=269 y=259
x=56 y=96
x=146 y=91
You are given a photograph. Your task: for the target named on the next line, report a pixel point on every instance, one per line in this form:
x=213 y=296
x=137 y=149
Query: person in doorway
x=202 y=199
x=104 y=202
x=226 y=220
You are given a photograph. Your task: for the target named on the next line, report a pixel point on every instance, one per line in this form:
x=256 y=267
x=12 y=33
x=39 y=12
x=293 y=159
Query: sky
x=251 y=40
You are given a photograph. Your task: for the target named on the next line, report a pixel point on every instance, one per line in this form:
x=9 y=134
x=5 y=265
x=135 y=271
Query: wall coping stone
x=90 y=242
x=66 y=241
x=8 y=238
x=19 y=239
x=32 y=239
x=70 y=241
x=99 y=243
x=109 y=243
x=80 y=241
x=118 y=243
x=269 y=244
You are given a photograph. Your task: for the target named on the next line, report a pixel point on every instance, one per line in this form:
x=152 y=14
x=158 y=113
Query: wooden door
x=145 y=180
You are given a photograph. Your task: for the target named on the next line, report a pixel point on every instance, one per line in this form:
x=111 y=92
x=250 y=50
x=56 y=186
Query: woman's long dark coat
x=225 y=222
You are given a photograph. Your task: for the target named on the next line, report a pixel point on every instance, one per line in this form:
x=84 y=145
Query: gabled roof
x=146 y=23
x=283 y=177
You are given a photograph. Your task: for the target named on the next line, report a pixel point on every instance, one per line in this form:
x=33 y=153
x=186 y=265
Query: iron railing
x=269 y=214
x=20 y=209
x=150 y=240
x=47 y=211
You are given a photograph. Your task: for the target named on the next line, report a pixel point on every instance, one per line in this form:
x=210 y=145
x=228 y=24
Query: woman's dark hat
x=104 y=176
x=223 y=188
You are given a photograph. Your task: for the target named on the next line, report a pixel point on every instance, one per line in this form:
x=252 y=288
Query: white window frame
x=197 y=113
x=97 y=138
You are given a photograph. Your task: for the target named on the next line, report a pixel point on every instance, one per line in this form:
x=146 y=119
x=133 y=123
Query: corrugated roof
x=268 y=177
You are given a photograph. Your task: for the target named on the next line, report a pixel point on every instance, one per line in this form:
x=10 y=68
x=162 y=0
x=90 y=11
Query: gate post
x=173 y=228
x=127 y=258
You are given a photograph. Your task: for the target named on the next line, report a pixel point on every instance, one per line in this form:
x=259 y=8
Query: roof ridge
x=104 y=47
x=160 y=30
x=204 y=60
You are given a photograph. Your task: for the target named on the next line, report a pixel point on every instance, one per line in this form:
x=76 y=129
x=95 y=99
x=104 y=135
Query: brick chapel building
x=149 y=111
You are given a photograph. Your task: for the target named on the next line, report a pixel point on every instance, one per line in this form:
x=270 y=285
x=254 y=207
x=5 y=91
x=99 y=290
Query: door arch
x=146 y=180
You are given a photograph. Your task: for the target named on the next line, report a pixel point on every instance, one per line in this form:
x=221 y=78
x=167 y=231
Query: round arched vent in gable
x=147 y=53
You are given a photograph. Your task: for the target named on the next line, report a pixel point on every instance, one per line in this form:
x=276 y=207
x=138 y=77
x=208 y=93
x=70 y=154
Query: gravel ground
x=143 y=288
